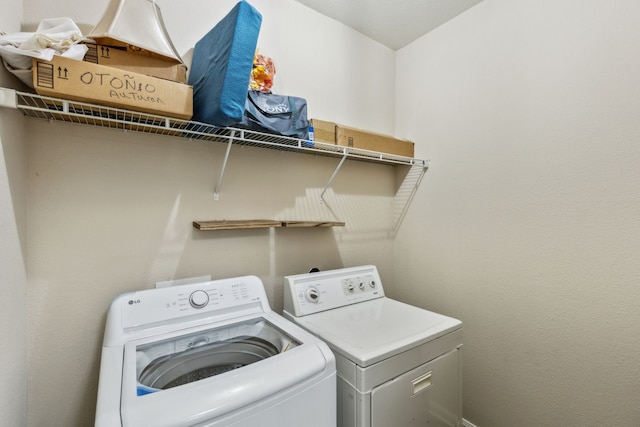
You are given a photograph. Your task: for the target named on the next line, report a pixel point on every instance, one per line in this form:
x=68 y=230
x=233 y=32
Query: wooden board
x=260 y=223
x=312 y=224
x=238 y=224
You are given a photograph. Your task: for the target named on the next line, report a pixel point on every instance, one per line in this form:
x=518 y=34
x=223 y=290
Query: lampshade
x=135 y=24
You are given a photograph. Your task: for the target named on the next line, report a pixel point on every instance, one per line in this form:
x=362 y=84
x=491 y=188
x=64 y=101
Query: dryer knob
x=313 y=295
x=198 y=299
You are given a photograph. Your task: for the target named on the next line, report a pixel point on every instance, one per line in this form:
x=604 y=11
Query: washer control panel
x=161 y=305
x=315 y=292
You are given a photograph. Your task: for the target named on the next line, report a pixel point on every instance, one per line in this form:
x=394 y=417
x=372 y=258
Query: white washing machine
x=398 y=365
x=211 y=354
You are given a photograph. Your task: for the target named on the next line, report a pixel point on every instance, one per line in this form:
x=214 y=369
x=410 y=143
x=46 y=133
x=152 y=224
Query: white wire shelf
x=62 y=110
x=56 y=109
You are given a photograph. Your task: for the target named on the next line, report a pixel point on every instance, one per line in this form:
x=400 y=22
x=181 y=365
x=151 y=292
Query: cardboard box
x=323 y=131
x=358 y=138
x=83 y=81
x=140 y=62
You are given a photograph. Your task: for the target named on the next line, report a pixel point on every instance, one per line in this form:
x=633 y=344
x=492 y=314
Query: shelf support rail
x=326 y=187
x=216 y=191
x=406 y=192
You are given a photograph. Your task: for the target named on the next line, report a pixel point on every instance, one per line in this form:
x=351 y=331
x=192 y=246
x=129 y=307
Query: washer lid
x=371 y=331
x=180 y=360
x=226 y=386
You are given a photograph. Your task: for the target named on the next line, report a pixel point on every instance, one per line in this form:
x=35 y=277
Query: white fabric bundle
x=55 y=36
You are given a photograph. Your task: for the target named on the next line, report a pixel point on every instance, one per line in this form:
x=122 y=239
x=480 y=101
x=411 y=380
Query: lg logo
x=134 y=301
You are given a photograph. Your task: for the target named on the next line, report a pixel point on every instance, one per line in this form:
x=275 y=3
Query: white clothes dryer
x=211 y=354
x=398 y=365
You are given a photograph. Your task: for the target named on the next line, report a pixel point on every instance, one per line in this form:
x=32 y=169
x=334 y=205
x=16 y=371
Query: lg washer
x=398 y=365
x=211 y=354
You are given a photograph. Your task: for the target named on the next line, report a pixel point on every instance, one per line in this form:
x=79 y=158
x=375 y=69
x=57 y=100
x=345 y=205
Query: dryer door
x=428 y=395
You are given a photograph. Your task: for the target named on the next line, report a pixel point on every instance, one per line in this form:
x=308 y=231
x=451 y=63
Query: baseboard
x=466 y=423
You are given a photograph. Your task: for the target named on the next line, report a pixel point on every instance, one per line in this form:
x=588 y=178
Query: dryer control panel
x=325 y=290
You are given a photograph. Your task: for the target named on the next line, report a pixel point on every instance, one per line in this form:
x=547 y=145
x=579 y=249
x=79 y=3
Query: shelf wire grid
x=56 y=109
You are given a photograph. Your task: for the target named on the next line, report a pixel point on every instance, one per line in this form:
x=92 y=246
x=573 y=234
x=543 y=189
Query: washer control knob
x=350 y=287
x=372 y=284
x=313 y=295
x=198 y=299
x=361 y=285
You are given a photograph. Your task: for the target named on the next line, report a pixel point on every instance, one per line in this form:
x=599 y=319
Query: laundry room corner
x=443 y=229
x=109 y=211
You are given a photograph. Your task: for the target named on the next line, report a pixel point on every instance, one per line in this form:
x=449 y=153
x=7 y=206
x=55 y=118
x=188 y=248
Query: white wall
x=13 y=283
x=526 y=226
x=110 y=212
